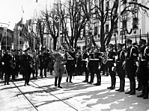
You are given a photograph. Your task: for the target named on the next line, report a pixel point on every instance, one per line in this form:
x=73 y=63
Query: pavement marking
x=55 y=96
x=26 y=97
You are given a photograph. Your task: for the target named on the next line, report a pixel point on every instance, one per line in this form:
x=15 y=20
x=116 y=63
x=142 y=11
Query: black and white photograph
x=74 y=55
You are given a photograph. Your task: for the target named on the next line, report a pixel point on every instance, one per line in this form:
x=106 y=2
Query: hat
x=129 y=41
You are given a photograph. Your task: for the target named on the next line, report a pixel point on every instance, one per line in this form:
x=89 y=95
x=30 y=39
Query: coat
x=59 y=67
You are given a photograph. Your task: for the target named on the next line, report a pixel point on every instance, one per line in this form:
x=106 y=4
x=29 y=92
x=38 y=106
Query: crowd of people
x=129 y=60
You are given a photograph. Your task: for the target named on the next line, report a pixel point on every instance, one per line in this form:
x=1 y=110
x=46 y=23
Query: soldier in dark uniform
x=70 y=65
x=17 y=63
x=110 y=65
x=119 y=67
x=7 y=60
x=13 y=66
x=130 y=65
x=78 y=63
x=93 y=66
x=41 y=63
x=84 y=63
x=45 y=61
x=26 y=65
x=98 y=63
x=143 y=69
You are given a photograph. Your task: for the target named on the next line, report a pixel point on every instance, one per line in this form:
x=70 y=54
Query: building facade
x=6 y=38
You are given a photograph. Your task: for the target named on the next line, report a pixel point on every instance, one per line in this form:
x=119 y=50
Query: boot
x=70 y=79
x=113 y=83
x=55 y=81
x=145 y=96
x=133 y=88
x=59 y=82
x=122 y=85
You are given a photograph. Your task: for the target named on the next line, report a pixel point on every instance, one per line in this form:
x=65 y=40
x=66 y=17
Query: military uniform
x=84 y=68
x=26 y=66
x=70 y=65
x=110 y=66
x=119 y=67
x=130 y=66
x=7 y=60
x=41 y=64
x=143 y=70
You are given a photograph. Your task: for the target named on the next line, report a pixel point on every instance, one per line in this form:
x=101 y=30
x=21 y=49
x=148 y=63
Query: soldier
x=26 y=66
x=143 y=69
x=51 y=63
x=84 y=66
x=91 y=67
x=45 y=61
x=13 y=65
x=110 y=65
x=130 y=65
x=7 y=60
x=70 y=65
x=98 y=63
x=119 y=67
x=41 y=63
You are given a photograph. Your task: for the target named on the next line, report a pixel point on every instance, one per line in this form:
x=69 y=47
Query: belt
x=110 y=59
x=143 y=60
x=94 y=59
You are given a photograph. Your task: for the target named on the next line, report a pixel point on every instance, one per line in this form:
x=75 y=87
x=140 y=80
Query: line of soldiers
x=130 y=62
x=133 y=61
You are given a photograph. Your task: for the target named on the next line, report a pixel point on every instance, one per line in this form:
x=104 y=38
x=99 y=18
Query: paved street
x=41 y=95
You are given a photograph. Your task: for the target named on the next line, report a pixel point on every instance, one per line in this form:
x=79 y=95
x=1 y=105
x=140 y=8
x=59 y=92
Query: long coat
x=59 y=67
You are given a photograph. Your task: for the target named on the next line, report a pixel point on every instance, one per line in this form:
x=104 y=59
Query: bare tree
x=107 y=11
x=75 y=16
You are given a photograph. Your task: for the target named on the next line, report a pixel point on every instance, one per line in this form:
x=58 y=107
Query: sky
x=11 y=11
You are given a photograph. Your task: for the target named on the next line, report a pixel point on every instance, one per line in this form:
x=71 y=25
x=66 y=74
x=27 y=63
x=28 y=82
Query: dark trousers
x=144 y=78
x=69 y=78
x=57 y=81
x=7 y=77
x=131 y=73
x=41 y=72
x=121 y=74
x=112 y=73
x=97 y=72
x=86 y=74
x=27 y=78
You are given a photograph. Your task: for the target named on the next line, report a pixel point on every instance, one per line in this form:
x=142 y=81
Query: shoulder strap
x=131 y=51
x=147 y=47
